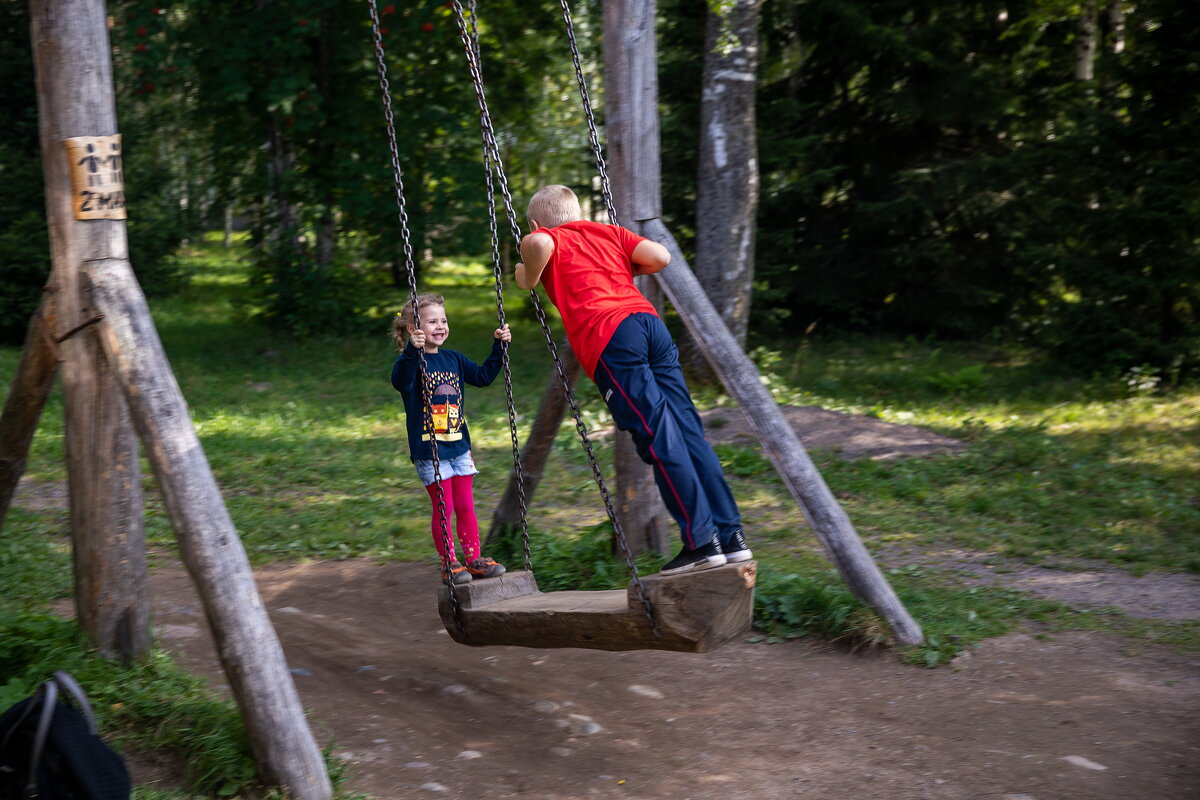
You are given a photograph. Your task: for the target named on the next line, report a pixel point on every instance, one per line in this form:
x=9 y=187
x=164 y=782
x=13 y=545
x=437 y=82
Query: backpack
x=49 y=749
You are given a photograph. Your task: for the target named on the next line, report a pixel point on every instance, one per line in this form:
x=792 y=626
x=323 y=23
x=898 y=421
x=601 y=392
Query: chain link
x=492 y=154
x=426 y=390
x=593 y=136
x=498 y=280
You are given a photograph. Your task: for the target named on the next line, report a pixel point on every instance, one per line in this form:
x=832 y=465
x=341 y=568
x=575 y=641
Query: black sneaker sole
x=738 y=556
x=707 y=562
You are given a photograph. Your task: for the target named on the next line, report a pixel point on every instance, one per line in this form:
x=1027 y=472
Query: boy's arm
x=649 y=257
x=536 y=249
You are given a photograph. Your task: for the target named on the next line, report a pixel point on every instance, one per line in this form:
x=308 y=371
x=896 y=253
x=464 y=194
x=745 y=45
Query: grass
x=306 y=439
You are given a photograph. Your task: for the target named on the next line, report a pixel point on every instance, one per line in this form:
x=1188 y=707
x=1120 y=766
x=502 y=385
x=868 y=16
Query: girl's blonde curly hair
x=404 y=318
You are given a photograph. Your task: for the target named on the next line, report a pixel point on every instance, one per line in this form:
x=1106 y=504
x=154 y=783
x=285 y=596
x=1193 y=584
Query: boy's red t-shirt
x=589 y=278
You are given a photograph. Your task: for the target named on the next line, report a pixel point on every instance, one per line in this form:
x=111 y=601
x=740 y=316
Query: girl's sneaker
x=458 y=573
x=485 y=568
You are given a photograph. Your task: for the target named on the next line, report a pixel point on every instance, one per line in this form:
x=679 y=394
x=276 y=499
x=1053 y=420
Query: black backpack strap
x=73 y=688
x=49 y=701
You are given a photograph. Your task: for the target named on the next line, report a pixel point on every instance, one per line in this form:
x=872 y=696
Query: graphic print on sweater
x=446 y=406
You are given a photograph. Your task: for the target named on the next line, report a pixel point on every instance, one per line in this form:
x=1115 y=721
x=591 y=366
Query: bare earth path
x=1071 y=717
x=1079 y=716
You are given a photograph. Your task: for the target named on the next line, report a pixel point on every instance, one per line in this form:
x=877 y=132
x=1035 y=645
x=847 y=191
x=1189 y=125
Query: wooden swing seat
x=695 y=612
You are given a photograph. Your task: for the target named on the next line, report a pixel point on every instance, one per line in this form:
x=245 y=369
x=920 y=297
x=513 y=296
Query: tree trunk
x=281 y=162
x=630 y=79
x=727 y=183
x=1086 y=35
x=26 y=398
x=75 y=98
x=322 y=166
x=1116 y=26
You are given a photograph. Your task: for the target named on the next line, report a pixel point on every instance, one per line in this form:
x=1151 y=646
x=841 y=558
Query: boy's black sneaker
x=705 y=557
x=736 y=549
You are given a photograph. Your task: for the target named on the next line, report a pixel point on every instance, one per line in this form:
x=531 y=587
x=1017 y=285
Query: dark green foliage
x=290 y=102
x=24 y=242
x=889 y=206
x=158 y=220
x=936 y=169
x=1115 y=209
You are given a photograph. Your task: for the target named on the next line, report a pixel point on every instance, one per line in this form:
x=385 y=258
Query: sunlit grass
x=307 y=441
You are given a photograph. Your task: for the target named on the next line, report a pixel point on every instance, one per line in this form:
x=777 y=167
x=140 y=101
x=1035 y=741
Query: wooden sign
x=96 y=176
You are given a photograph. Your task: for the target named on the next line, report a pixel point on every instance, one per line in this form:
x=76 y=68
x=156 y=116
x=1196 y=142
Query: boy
x=623 y=345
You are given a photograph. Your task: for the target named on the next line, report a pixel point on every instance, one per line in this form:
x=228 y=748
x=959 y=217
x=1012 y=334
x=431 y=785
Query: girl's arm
x=406 y=368
x=483 y=374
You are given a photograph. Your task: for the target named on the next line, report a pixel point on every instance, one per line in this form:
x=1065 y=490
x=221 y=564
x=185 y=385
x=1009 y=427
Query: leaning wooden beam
x=212 y=552
x=632 y=121
x=26 y=398
x=779 y=441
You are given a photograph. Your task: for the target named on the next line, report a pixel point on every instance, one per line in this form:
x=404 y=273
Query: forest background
x=934 y=180
x=997 y=171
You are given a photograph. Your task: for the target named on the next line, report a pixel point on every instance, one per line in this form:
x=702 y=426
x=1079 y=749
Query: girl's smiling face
x=435 y=325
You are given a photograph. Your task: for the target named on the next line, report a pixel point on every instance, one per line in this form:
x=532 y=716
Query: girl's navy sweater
x=446 y=372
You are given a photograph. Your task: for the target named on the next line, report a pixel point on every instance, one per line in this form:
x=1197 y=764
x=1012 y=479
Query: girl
x=446 y=373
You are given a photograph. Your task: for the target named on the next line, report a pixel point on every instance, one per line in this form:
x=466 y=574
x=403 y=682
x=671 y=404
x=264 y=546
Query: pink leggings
x=460 y=503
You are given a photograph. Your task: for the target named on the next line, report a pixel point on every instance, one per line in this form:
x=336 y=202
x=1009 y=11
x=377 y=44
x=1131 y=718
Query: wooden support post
x=779 y=441
x=75 y=98
x=26 y=398
x=248 y=647
x=630 y=65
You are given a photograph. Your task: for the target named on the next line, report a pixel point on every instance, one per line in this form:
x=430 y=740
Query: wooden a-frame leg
x=27 y=397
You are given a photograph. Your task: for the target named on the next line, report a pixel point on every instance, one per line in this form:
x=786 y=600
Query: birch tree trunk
x=1086 y=36
x=727 y=182
x=1116 y=26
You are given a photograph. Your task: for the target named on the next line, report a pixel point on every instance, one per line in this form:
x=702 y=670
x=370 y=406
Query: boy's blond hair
x=554 y=205
x=404 y=318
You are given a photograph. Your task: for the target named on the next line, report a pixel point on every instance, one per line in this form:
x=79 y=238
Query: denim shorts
x=450 y=468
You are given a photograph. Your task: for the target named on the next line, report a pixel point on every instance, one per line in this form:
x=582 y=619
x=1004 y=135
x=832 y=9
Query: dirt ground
x=1078 y=716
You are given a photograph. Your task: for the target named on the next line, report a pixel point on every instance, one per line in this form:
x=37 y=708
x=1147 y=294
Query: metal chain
x=593 y=136
x=492 y=151
x=422 y=368
x=498 y=279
